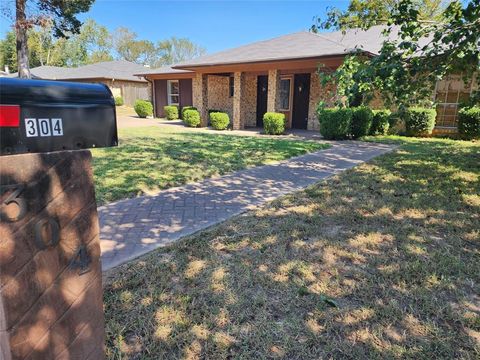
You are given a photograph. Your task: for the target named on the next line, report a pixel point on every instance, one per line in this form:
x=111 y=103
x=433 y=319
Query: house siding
x=130 y=91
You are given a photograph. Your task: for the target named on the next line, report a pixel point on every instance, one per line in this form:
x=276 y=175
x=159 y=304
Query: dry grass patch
x=382 y=261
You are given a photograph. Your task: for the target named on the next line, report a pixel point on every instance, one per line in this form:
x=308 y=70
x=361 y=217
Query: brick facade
x=200 y=96
x=317 y=93
x=214 y=91
x=50 y=272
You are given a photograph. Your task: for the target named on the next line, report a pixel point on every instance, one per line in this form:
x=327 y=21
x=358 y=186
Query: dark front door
x=301 y=96
x=185 y=92
x=262 y=95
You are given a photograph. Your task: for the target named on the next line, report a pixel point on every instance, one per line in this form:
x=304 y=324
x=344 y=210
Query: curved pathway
x=133 y=227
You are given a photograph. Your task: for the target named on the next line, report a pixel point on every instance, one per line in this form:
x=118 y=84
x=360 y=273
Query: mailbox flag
x=9 y=116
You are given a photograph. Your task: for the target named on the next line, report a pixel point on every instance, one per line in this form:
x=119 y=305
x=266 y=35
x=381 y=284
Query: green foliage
x=419 y=121
x=93 y=43
x=380 y=122
x=361 y=121
x=118 y=101
x=63 y=14
x=191 y=118
x=354 y=82
x=403 y=77
x=176 y=50
x=143 y=108
x=274 y=123
x=8 y=52
x=335 y=123
x=366 y=13
x=219 y=120
x=187 y=108
x=469 y=122
x=171 y=112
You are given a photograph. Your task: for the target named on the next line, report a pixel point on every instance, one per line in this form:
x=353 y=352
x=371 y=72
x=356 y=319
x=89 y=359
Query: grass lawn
x=150 y=159
x=381 y=261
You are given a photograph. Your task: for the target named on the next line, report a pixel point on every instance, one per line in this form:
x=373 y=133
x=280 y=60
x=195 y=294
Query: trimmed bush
x=380 y=122
x=396 y=123
x=335 y=123
x=219 y=120
x=274 y=123
x=361 y=121
x=191 y=118
x=419 y=121
x=143 y=108
x=171 y=112
x=187 y=108
x=118 y=101
x=469 y=122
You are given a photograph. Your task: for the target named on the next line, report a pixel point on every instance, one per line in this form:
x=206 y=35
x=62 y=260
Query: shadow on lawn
x=380 y=262
x=144 y=164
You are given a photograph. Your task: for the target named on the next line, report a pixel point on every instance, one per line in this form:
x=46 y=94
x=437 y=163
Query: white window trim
x=289 y=78
x=169 y=93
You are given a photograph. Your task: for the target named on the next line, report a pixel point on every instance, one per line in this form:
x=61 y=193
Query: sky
x=215 y=25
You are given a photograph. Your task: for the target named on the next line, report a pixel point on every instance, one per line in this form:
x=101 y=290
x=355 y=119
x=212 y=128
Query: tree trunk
x=21 y=32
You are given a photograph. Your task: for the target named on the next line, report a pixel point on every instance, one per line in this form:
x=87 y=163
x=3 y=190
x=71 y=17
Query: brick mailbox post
x=51 y=304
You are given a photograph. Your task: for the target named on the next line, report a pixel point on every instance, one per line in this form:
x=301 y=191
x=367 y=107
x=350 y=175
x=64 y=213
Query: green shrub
x=219 y=120
x=380 y=122
x=361 y=121
x=469 y=122
x=187 y=108
x=171 y=112
x=118 y=101
x=191 y=118
x=419 y=121
x=396 y=124
x=143 y=108
x=274 y=123
x=335 y=123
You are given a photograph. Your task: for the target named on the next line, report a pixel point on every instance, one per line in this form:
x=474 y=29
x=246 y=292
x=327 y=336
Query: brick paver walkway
x=133 y=227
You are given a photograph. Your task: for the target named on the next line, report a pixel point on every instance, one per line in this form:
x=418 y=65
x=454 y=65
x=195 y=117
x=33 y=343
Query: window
x=173 y=92
x=449 y=93
x=231 y=85
x=285 y=94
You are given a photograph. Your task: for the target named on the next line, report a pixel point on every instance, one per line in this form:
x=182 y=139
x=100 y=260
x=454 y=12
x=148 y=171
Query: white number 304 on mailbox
x=43 y=127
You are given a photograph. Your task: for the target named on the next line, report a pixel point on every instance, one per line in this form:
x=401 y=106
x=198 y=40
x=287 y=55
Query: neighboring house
x=280 y=75
x=117 y=75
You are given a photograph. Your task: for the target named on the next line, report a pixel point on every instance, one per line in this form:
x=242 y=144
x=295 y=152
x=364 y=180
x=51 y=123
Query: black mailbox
x=43 y=116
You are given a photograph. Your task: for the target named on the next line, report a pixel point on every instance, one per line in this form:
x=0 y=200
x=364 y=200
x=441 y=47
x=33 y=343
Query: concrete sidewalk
x=133 y=227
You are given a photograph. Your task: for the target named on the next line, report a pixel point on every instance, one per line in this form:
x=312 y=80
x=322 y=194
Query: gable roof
x=300 y=45
x=117 y=70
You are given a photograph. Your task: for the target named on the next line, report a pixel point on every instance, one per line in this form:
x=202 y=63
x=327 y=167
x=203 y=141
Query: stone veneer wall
x=317 y=94
x=250 y=102
x=200 y=96
x=219 y=94
x=219 y=97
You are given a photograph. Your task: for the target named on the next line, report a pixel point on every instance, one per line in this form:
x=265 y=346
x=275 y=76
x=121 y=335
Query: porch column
x=239 y=101
x=200 y=96
x=273 y=90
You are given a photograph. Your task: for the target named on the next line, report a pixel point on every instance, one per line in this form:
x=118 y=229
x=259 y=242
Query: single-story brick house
x=280 y=75
x=117 y=75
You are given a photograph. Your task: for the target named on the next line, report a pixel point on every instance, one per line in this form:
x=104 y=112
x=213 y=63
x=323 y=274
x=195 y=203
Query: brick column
x=239 y=101
x=50 y=272
x=200 y=96
x=273 y=90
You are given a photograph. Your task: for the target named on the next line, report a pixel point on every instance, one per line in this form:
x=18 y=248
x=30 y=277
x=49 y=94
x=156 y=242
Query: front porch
x=246 y=96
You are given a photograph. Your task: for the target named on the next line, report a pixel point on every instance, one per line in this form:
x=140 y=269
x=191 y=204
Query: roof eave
x=193 y=67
